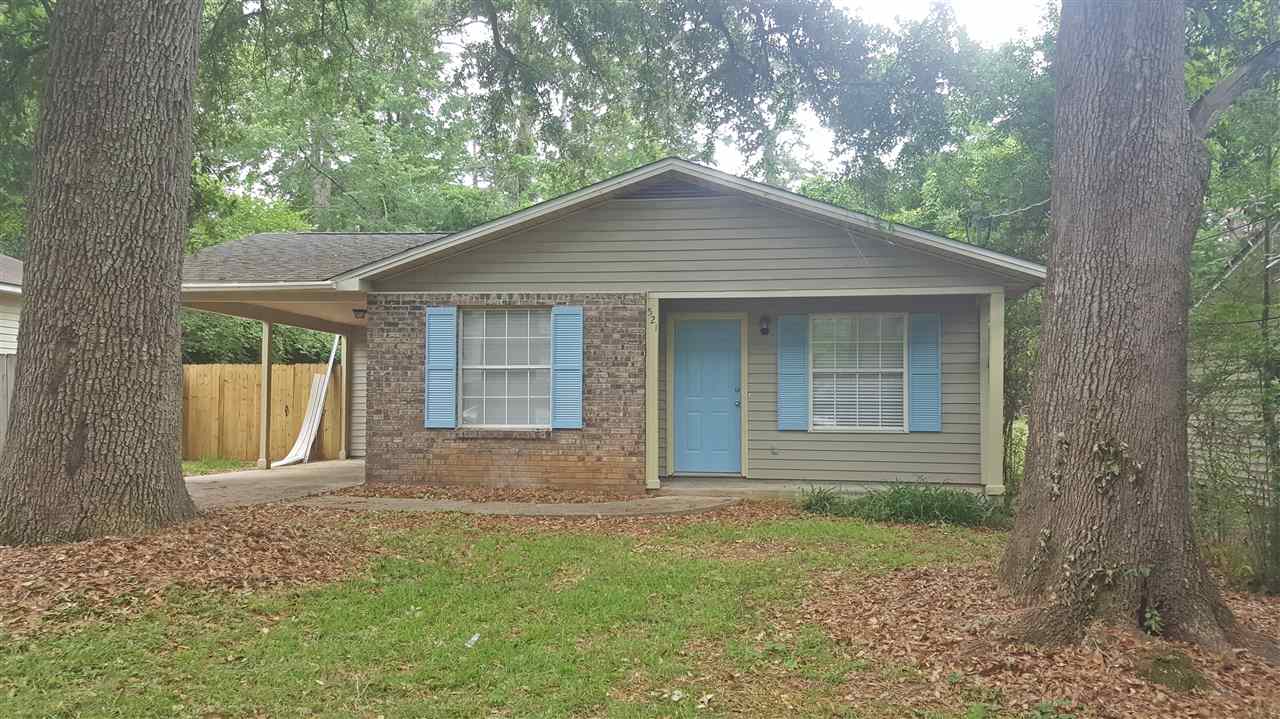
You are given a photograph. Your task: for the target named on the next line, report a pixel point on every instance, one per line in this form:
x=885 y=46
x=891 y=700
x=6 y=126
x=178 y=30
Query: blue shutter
x=566 y=367
x=924 y=372
x=793 y=372
x=442 y=367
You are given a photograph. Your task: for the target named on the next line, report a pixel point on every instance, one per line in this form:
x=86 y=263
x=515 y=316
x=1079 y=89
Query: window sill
x=502 y=433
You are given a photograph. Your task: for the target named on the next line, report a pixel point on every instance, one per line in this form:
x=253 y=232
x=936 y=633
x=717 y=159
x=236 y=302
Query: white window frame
x=462 y=367
x=906 y=390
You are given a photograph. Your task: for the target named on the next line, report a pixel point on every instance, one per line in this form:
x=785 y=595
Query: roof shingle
x=297 y=256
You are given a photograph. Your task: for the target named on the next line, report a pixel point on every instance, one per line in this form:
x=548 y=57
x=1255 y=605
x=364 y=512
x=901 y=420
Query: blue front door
x=708 y=395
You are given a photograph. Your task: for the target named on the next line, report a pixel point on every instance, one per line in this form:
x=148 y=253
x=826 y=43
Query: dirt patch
x=939 y=621
x=485 y=494
x=640 y=527
x=234 y=549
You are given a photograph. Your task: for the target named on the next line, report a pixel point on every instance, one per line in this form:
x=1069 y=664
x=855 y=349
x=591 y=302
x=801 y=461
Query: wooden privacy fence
x=220 y=410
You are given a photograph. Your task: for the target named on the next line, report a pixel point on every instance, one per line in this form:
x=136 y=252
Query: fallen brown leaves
x=247 y=548
x=940 y=625
x=234 y=549
x=928 y=635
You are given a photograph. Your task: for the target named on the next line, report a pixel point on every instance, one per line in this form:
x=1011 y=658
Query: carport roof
x=297 y=256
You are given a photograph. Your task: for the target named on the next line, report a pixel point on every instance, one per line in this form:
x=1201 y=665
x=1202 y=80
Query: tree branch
x=1246 y=77
x=1032 y=206
x=321 y=171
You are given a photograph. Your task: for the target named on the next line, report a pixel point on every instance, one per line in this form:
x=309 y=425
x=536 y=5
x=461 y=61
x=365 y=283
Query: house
x=10 y=314
x=10 y=303
x=673 y=321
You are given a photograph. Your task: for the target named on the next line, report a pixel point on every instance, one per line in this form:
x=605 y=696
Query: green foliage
x=1015 y=458
x=1172 y=669
x=1152 y=621
x=1233 y=562
x=909 y=503
x=209 y=338
x=212 y=465
x=1051 y=710
x=218 y=215
x=23 y=40
x=1234 y=353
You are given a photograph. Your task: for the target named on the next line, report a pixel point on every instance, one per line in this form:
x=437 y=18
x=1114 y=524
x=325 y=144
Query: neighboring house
x=10 y=303
x=10 y=314
x=673 y=321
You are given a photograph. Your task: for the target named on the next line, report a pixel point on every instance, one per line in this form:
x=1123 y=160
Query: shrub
x=908 y=503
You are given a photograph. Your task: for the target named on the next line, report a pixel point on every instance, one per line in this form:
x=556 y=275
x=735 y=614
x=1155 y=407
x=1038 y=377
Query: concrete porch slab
x=646 y=507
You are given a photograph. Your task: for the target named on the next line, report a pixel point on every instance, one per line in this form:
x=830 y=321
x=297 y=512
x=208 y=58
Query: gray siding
x=950 y=456
x=690 y=244
x=10 y=310
x=359 y=393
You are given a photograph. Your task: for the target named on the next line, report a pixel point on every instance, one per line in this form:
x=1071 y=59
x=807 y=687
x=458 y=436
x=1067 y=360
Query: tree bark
x=1104 y=529
x=94 y=436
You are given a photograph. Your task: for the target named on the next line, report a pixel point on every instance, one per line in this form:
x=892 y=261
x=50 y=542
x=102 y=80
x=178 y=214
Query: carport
x=286 y=278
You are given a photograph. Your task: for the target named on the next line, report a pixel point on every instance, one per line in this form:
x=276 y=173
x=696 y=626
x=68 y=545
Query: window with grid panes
x=858 y=371
x=506 y=367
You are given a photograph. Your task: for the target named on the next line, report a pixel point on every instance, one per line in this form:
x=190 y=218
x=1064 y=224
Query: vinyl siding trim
x=10 y=316
x=952 y=457
x=813 y=210
x=593 y=250
x=359 y=395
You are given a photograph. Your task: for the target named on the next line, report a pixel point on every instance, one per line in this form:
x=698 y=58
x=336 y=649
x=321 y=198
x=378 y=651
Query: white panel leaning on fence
x=301 y=451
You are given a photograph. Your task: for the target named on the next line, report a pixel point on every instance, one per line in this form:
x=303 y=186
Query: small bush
x=908 y=503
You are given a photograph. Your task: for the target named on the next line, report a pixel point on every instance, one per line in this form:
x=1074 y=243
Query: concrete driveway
x=259 y=486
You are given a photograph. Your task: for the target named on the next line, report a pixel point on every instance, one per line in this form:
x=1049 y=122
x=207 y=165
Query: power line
x=1240 y=322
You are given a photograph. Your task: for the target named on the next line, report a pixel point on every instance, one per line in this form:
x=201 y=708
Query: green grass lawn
x=213 y=465
x=462 y=619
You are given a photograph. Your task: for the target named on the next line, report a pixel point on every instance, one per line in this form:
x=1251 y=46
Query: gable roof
x=643 y=179
x=10 y=274
x=290 y=257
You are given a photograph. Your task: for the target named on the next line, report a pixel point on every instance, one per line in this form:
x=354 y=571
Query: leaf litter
x=929 y=629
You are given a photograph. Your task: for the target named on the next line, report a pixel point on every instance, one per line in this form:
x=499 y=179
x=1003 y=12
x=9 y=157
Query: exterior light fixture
x=764 y=324
x=359 y=312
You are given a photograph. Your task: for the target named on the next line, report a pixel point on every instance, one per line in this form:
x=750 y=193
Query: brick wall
x=607 y=453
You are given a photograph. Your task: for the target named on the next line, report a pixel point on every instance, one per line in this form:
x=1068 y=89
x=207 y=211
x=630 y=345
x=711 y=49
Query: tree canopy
x=440 y=114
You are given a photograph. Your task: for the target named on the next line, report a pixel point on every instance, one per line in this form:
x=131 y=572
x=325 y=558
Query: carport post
x=264 y=401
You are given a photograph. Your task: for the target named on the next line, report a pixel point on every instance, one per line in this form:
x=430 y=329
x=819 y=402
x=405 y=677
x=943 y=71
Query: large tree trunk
x=1104 y=530
x=94 y=436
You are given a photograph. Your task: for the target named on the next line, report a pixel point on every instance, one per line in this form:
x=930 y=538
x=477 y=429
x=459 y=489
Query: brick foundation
x=607 y=453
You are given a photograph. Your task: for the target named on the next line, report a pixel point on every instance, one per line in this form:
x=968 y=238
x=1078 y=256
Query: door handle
x=737 y=403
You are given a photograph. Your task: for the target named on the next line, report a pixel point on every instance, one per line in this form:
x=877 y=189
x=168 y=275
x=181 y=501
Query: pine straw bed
x=237 y=549
x=938 y=623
